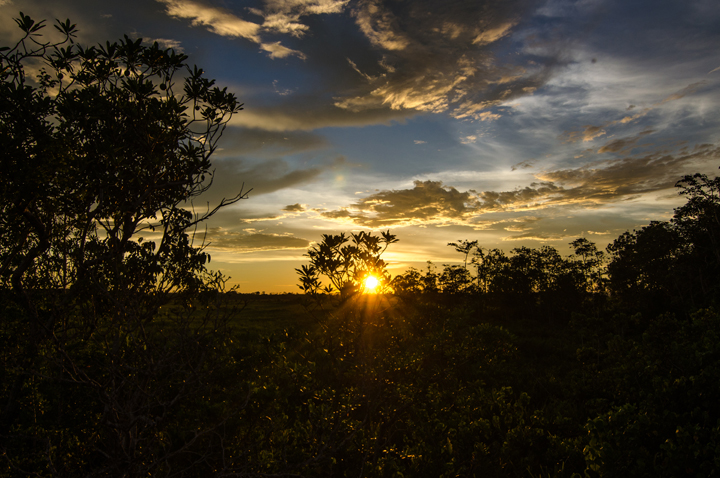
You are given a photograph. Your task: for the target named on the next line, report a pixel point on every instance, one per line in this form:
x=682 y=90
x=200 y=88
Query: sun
x=370 y=284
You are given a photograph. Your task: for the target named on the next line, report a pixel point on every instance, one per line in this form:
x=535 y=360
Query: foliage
x=345 y=262
x=674 y=265
x=538 y=280
x=101 y=151
x=665 y=422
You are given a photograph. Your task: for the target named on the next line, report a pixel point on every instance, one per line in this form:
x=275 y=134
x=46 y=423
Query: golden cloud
x=433 y=203
x=224 y=23
x=222 y=239
x=216 y=20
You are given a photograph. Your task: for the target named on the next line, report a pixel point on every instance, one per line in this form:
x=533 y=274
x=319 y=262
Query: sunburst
x=371 y=284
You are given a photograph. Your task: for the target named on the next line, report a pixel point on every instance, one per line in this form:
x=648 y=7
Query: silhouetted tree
x=409 y=282
x=102 y=150
x=345 y=261
x=698 y=223
x=591 y=262
x=455 y=279
x=464 y=247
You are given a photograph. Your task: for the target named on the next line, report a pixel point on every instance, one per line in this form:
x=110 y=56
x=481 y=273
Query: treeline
x=667 y=266
x=537 y=280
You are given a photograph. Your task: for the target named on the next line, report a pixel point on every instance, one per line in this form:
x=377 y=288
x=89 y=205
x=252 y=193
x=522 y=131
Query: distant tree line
x=666 y=266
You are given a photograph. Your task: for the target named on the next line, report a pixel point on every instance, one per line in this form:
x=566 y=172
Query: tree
x=672 y=265
x=698 y=223
x=590 y=262
x=345 y=261
x=410 y=282
x=455 y=279
x=464 y=247
x=102 y=151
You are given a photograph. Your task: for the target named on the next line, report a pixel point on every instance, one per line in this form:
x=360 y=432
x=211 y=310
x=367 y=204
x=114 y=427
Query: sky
x=510 y=122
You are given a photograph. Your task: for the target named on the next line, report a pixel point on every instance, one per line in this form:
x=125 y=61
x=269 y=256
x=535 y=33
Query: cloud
x=297 y=207
x=627 y=177
x=537 y=236
x=590 y=132
x=273 y=175
x=426 y=202
x=527 y=197
x=224 y=23
x=688 y=90
x=166 y=43
x=623 y=145
x=216 y=20
x=222 y=239
x=268 y=144
x=488 y=116
x=440 y=59
x=517 y=228
x=276 y=50
x=284 y=16
x=232 y=175
x=380 y=26
x=433 y=203
x=279 y=91
x=493 y=34
x=399 y=59
x=522 y=165
x=305 y=114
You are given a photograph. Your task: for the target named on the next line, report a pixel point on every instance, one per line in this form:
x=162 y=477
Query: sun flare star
x=371 y=284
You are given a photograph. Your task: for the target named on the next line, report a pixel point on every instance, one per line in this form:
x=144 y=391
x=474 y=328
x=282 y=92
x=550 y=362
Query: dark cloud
x=264 y=143
x=491 y=200
x=273 y=175
x=233 y=175
x=688 y=90
x=376 y=61
x=431 y=202
x=627 y=177
x=427 y=201
x=438 y=57
x=591 y=132
x=294 y=208
x=310 y=112
x=623 y=145
x=522 y=165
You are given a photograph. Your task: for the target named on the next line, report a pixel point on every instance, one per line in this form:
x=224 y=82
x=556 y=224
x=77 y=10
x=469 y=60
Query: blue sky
x=514 y=122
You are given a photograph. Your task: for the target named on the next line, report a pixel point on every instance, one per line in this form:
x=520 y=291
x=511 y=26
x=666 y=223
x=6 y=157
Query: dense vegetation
x=121 y=356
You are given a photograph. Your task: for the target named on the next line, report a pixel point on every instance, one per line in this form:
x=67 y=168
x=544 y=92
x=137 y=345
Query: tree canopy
x=102 y=151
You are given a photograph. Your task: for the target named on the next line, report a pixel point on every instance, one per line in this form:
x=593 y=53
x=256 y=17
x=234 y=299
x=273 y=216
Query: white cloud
x=216 y=20
x=167 y=43
x=276 y=50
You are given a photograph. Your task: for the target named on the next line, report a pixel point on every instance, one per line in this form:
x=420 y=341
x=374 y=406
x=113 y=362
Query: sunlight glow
x=370 y=284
